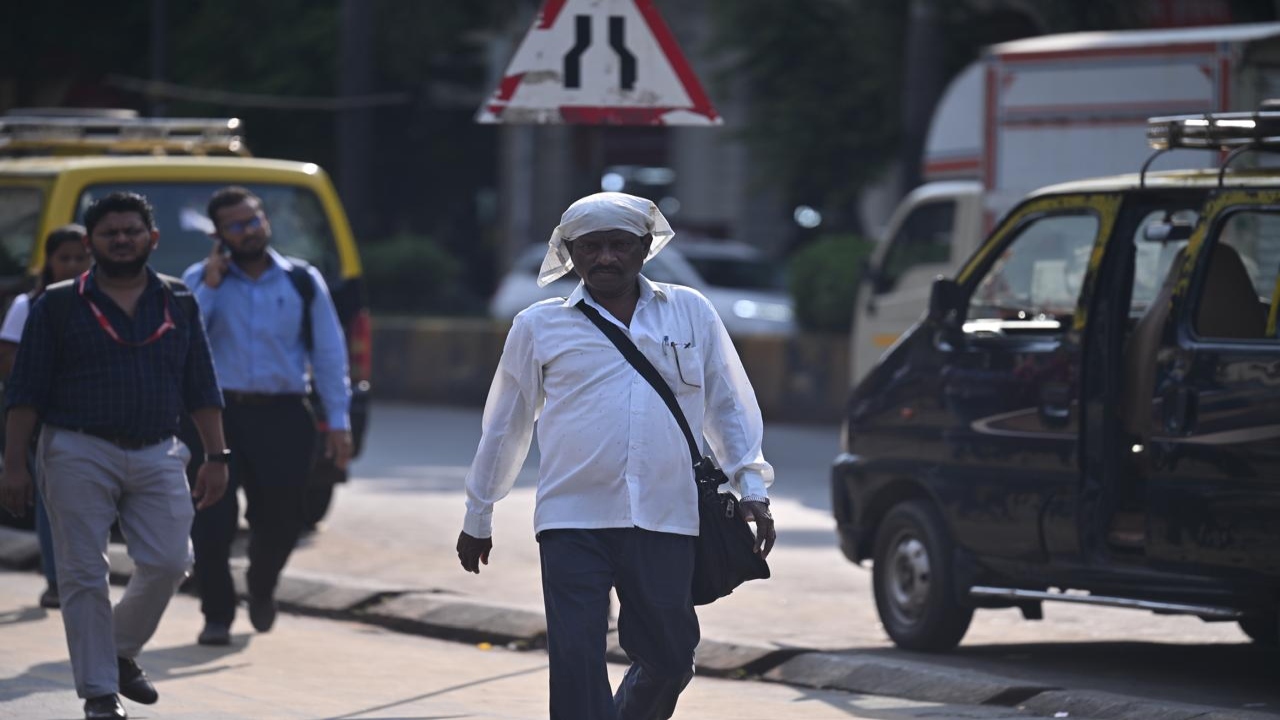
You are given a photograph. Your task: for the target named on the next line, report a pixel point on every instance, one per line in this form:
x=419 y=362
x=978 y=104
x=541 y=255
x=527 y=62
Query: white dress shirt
x=612 y=454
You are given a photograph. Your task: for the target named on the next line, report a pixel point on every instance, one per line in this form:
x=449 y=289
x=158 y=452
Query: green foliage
x=823 y=280
x=824 y=78
x=413 y=274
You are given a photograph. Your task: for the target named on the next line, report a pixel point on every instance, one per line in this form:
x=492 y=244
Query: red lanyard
x=165 y=326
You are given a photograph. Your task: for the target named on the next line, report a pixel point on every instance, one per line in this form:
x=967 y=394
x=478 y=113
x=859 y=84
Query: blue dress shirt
x=78 y=377
x=255 y=331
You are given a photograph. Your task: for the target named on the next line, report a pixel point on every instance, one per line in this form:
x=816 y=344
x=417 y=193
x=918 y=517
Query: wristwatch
x=222 y=456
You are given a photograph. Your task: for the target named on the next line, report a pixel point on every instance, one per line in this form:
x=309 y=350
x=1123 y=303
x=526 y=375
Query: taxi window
x=1153 y=257
x=1255 y=236
x=1239 y=277
x=923 y=239
x=19 y=220
x=1039 y=275
x=299 y=225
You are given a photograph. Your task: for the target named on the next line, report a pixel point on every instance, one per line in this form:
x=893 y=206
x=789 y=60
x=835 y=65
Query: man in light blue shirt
x=256 y=306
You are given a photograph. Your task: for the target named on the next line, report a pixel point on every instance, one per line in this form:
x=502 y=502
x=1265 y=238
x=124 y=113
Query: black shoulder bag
x=724 y=555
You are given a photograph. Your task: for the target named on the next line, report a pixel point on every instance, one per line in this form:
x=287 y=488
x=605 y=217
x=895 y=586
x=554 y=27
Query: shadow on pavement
x=435 y=693
x=21 y=615
x=1243 y=676
x=159 y=664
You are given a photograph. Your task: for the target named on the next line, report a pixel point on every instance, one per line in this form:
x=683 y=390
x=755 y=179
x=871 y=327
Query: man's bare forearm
x=18 y=428
x=208 y=422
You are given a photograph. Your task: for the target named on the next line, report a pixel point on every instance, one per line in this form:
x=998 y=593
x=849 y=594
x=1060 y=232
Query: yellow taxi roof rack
x=121 y=133
x=1232 y=132
x=1217 y=130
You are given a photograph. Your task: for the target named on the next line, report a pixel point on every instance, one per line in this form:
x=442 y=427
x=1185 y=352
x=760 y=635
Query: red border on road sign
x=601 y=115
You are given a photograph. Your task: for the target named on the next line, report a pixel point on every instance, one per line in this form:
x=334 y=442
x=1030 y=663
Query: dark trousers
x=657 y=626
x=272 y=448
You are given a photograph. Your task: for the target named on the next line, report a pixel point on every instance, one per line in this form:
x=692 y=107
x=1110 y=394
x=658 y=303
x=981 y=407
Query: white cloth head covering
x=603 y=211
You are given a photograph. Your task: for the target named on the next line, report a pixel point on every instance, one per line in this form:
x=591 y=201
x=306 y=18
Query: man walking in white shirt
x=616 y=501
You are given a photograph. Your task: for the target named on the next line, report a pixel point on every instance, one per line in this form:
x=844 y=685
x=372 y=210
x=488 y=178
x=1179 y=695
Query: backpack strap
x=181 y=295
x=60 y=299
x=300 y=276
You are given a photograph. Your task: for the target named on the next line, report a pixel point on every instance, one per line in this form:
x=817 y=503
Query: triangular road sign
x=599 y=62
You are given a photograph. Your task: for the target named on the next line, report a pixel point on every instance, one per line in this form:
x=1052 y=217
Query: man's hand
x=215 y=268
x=472 y=551
x=337 y=448
x=16 y=491
x=211 y=483
x=758 y=513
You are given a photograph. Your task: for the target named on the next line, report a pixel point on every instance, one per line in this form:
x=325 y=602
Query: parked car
x=745 y=289
x=1089 y=411
x=53 y=167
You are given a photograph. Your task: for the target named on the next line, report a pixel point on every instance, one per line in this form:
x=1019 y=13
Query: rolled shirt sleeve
x=732 y=424
x=31 y=381
x=510 y=412
x=199 y=380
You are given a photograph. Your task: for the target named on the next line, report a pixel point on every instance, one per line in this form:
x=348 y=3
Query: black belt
x=124 y=442
x=253 y=398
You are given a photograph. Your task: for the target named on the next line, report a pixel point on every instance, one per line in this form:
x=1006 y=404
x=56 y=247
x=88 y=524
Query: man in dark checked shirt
x=108 y=376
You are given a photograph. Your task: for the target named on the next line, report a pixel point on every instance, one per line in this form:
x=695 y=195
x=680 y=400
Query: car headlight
x=752 y=310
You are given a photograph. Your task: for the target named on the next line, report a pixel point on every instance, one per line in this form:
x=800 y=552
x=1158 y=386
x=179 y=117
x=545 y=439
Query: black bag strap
x=646 y=370
x=306 y=287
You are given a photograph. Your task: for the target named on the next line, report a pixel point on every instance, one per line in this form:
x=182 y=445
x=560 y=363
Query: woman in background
x=65 y=257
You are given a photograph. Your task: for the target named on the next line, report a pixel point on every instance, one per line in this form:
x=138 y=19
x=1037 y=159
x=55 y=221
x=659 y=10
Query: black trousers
x=657 y=626
x=273 y=446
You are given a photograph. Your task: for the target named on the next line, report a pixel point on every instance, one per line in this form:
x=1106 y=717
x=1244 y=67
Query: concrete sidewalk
x=316 y=668
x=451 y=617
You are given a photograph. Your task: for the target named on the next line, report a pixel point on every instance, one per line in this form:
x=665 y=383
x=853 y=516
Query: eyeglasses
x=237 y=227
x=166 y=324
x=595 y=246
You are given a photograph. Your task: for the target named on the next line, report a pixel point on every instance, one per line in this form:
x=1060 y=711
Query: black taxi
x=1090 y=410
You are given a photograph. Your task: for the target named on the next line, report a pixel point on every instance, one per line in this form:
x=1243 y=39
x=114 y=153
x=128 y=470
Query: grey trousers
x=88 y=484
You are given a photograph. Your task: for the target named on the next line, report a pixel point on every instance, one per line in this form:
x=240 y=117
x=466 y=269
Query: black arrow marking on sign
x=582 y=41
x=616 y=37
x=573 y=60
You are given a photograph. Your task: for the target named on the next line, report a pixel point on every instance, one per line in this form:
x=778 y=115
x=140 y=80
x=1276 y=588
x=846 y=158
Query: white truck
x=1040 y=111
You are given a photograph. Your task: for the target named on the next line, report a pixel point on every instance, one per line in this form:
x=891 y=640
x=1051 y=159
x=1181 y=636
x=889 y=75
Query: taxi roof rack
x=1232 y=132
x=72 y=131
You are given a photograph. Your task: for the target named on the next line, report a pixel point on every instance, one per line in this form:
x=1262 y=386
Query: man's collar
x=277 y=260
x=648 y=291
x=91 y=283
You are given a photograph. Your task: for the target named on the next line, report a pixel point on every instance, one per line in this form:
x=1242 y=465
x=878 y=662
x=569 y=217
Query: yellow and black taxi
x=53 y=166
x=1090 y=410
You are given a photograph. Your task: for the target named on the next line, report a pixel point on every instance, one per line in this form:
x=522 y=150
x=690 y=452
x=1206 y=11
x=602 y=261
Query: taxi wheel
x=913 y=580
x=1263 y=630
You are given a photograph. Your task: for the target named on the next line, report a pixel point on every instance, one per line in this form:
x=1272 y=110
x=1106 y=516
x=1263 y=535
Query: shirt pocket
x=679 y=360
